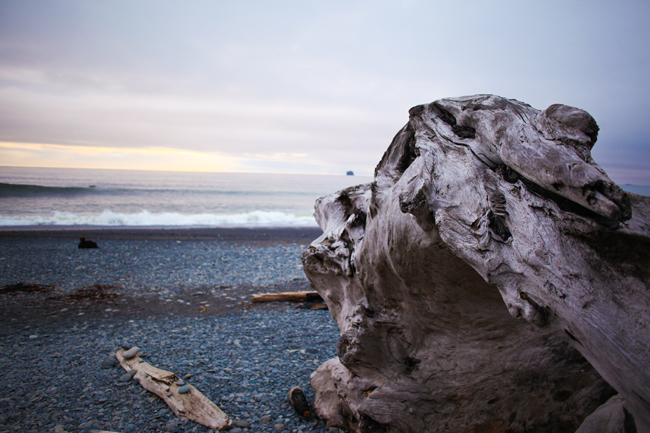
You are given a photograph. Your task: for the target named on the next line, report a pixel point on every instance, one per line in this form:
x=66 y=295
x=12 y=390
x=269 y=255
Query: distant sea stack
x=486 y=216
x=350 y=173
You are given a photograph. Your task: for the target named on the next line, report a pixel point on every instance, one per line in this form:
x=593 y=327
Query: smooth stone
x=125 y=377
x=242 y=424
x=279 y=426
x=109 y=362
x=188 y=376
x=131 y=372
x=266 y=419
x=33 y=336
x=131 y=353
x=180 y=383
x=184 y=389
x=169 y=394
x=126 y=346
x=236 y=430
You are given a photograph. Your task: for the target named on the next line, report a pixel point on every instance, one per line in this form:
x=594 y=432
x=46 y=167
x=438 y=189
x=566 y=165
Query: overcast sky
x=303 y=86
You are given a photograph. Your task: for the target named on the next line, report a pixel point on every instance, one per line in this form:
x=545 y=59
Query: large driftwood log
x=479 y=202
x=192 y=405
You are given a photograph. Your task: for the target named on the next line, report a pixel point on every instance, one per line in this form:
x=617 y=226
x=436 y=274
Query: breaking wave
x=148 y=219
x=20 y=190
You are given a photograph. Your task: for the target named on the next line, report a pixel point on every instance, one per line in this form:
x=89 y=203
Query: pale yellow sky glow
x=153 y=158
x=57 y=155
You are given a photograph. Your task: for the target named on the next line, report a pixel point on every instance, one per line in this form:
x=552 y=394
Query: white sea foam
x=148 y=219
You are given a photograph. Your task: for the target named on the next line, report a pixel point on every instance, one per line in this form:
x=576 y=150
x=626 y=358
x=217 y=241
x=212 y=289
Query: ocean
x=90 y=197
x=69 y=197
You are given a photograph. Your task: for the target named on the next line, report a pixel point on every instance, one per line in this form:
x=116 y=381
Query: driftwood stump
x=484 y=210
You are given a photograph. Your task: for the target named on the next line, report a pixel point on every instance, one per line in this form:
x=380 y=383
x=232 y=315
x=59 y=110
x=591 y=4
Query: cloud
x=197 y=124
x=333 y=81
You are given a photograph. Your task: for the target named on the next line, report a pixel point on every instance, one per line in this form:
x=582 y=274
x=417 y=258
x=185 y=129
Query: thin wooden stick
x=288 y=296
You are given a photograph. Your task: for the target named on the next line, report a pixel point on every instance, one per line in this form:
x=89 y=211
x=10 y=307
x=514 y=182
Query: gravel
x=148 y=267
x=56 y=350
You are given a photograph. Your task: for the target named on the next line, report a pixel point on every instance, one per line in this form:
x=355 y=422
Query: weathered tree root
x=479 y=202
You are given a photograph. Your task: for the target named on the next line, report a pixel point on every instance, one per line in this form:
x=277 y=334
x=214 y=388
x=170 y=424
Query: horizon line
x=188 y=171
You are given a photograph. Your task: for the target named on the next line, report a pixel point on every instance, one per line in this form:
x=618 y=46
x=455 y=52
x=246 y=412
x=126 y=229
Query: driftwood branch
x=288 y=297
x=191 y=405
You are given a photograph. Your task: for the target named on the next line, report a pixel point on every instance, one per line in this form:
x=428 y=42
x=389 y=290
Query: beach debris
x=298 y=401
x=310 y=300
x=310 y=296
x=83 y=243
x=26 y=287
x=96 y=292
x=48 y=314
x=185 y=401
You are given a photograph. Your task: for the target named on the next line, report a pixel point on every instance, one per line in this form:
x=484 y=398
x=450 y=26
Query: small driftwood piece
x=192 y=405
x=288 y=297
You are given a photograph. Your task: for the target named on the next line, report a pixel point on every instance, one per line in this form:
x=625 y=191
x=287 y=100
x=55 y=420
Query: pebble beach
x=181 y=296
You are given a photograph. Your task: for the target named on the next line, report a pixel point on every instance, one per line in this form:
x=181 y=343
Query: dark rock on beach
x=85 y=244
